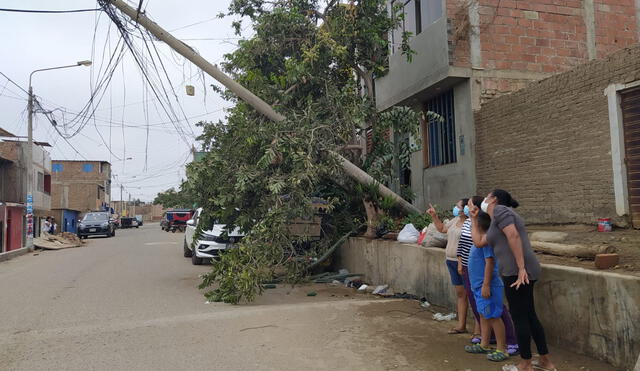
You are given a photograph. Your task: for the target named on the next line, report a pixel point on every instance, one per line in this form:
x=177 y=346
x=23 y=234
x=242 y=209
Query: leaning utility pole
x=243 y=93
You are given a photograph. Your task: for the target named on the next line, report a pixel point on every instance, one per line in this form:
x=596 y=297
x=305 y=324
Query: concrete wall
x=444 y=185
x=550 y=144
x=430 y=65
x=589 y=312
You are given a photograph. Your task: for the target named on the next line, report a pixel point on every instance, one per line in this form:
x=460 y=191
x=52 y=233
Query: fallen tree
x=313 y=63
x=576 y=251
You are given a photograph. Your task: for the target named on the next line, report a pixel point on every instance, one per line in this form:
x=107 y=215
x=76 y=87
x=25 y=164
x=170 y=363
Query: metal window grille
x=441 y=132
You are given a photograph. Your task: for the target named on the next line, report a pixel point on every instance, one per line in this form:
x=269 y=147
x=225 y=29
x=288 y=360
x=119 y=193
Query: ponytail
x=504 y=198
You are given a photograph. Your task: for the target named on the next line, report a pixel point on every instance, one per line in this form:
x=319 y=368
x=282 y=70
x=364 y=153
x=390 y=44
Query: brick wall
x=75 y=189
x=540 y=36
x=616 y=25
x=549 y=143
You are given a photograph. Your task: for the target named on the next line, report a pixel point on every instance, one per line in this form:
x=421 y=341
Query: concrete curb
x=593 y=312
x=14 y=253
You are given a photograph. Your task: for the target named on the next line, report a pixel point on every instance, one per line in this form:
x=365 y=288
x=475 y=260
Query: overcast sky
x=34 y=41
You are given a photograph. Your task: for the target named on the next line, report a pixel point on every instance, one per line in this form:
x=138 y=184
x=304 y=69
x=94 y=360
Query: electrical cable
x=48 y=11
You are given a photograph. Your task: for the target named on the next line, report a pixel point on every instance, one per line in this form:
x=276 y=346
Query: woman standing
x=453 y=228
x=519 y=269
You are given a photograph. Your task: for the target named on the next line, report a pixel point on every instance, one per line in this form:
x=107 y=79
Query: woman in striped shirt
x=464 y=247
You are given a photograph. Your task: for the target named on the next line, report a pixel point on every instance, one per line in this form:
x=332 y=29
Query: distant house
x=80 y=186
x=13 y=189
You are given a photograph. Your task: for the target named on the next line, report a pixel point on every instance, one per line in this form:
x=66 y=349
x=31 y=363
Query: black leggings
x=524 y=317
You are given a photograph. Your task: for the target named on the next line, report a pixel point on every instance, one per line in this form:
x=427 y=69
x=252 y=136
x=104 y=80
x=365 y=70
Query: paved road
x=131 y=303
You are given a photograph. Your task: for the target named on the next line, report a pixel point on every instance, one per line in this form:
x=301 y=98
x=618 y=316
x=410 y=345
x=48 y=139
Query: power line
x=14 y=83
x=48 y=11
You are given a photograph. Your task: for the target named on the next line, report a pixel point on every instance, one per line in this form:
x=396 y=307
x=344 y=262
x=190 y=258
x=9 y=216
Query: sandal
x=513 y=350
x=497 y=356
x=476 y=339
x=476 y=349
x=536 y=365
x=455 y=331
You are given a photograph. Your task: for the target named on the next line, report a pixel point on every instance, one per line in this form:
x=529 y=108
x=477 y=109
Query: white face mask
x=484 y=205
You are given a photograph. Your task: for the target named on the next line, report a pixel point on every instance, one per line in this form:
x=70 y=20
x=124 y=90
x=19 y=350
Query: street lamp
x=29 y=151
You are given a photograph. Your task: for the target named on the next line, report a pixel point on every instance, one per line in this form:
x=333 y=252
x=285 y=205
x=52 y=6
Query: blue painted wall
x=70 y=221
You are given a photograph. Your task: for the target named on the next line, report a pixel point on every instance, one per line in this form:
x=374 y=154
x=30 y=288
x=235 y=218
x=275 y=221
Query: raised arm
x=436 y=220
x=479 y=239
x=515 y=244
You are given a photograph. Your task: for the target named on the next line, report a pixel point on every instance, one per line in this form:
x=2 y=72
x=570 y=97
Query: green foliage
x=171 y=198
x=418 y=220
x=258 y=174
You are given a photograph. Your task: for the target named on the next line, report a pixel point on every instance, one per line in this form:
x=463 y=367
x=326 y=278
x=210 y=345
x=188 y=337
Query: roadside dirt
x=626 y=241
x=397 y=334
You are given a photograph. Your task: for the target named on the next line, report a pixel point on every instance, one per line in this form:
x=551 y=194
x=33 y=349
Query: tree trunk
x=373 y=215
x=580 y=251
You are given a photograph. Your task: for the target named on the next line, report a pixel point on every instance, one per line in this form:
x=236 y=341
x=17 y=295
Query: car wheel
x=195 y=260
x=187 y=251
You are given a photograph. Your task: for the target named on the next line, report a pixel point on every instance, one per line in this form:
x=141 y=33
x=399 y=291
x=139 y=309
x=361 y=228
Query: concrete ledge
x=589 y=312
x=13 y=253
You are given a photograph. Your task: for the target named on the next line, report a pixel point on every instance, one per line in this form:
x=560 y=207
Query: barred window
x=439 y=133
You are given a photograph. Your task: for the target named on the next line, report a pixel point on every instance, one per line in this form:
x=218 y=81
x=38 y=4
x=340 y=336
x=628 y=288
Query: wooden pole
x=243 y=93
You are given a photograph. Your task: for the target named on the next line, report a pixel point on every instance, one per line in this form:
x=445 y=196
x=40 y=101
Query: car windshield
x=95 y=217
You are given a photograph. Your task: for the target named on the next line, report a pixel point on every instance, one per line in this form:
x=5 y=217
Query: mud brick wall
x=549 y=143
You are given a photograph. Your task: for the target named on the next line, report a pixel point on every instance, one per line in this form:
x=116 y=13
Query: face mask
x=456 y=211
x=466 y=210
x=484 y=205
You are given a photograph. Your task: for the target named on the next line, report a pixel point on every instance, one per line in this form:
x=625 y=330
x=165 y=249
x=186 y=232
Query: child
x=487 y=289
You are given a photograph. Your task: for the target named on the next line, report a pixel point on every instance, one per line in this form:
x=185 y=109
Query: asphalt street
x=131 y=303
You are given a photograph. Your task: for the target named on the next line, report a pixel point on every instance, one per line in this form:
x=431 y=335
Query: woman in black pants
x=519 y=269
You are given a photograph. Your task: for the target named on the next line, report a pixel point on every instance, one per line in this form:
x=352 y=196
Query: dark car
x=96 y=224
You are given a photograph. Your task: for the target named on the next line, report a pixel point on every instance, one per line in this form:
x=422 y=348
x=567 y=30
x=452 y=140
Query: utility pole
x=29 y=151
x=121 y=199
x=243 y=93
x=29 y=168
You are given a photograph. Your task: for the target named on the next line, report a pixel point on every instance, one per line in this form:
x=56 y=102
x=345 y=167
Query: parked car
x=96 y=224
x=139 y=219
x=175 y=219
x=211 y=243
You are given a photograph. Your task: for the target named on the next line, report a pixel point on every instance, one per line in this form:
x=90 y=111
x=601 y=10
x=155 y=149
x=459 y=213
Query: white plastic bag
x=433 y=237
x=408 y=234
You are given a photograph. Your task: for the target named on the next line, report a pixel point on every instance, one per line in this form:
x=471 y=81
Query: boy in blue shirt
x=488 y=291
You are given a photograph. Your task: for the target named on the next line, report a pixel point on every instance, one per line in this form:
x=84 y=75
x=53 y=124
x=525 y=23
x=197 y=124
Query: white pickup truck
x=211 y=242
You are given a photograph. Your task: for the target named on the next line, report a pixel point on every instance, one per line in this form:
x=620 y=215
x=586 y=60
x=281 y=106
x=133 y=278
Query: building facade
x=13 y=189
x=81 y=186
x=468 y=52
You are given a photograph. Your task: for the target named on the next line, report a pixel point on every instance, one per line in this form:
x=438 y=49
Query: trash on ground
x=433 y=238
x=381 y=289
x=312 y=293
x=409 y=234
x=444 y=317
x=269 y=286
x=329 y=277
x=425 y=304
x=64 y=240
x=363 y=287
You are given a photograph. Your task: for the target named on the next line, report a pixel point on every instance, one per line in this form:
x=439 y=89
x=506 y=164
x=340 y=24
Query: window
x=439 y=134
x=418 y=14
x=47 y=184
x=40 y=182
x=87 y=168
x=430 y=11
x=57 y=168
